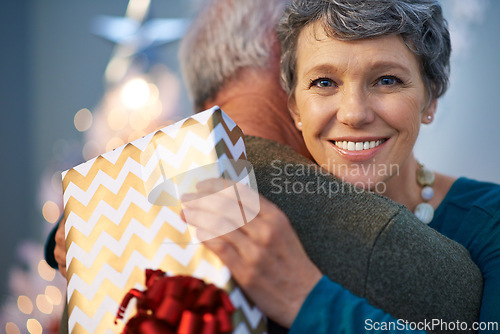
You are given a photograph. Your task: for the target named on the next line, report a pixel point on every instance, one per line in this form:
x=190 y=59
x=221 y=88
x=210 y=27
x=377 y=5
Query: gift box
x=122 y=213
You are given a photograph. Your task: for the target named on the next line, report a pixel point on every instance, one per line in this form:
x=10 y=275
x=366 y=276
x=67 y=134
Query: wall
x=462 y=140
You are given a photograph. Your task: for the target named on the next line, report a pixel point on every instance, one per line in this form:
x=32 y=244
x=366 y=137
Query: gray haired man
x=365 y=242
x=373 y=247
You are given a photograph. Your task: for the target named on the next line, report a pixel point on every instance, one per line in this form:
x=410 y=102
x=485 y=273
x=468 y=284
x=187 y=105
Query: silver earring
x=299 y=124
x=429 y=117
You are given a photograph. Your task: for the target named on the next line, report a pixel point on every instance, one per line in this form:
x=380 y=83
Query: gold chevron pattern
x=114 y=232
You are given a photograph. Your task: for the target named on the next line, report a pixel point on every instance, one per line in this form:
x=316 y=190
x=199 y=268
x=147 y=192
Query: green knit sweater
x=370 y=245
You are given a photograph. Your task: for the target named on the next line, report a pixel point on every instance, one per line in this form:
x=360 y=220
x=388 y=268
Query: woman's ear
x=428 y=114
x=292 y=107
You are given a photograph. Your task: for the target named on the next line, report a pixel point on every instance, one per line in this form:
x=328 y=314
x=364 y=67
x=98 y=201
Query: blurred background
x=69 y=90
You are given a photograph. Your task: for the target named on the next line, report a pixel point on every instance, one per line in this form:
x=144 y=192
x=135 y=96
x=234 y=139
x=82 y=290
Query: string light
x=24 y=304
x=45 y=271
x=156 y=109
x=43 y=304
x=34 y=326
x=135 y=93
x=154 y=93
x=56 y=181
x=136 y=135
x=83 y=120
x=51 y=212
x=90 y=149
x=117 y=119
x=11 y=328
x=117 y=67
x=137 y=121
x=53 y=294
x=113 y=143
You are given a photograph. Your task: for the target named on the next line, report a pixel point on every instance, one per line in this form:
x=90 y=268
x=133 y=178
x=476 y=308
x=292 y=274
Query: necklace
x=425 y=179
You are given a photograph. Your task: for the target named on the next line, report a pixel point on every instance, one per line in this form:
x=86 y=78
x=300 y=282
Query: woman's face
x=359 y=104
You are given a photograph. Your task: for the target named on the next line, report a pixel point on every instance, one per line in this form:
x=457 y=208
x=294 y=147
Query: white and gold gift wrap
x=122 y=216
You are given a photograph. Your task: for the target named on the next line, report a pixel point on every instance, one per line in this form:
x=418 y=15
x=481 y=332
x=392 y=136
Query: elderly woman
x=361 y=77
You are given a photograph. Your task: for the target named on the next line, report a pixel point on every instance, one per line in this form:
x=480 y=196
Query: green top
x=470 y=215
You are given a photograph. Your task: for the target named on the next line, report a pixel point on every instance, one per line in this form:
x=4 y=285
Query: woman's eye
x=322 y=83
x=388 y=81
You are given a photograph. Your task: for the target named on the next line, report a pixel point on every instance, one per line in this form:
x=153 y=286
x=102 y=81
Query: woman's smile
x=358 y=150
x=361 y=145
x=358 y=103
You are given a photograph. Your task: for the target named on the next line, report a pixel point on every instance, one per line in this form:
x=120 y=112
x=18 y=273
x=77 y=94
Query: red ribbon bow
x=178 y=305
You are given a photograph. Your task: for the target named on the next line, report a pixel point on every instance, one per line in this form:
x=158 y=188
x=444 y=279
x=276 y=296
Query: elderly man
x=367 y=243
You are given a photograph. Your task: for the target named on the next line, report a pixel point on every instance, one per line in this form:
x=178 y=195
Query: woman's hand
x=60 y=249
x=265 y=256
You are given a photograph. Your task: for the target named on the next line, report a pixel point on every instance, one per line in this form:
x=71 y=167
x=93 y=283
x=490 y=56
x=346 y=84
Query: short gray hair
x=227 y=35
x=419 y=22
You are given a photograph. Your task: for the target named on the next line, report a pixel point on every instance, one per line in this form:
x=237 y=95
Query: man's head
x=227 y=36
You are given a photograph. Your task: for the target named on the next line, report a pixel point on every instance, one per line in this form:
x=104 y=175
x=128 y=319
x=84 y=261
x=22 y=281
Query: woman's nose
x=354 y=109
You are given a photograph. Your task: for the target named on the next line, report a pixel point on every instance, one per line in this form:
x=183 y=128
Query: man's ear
x=292 y=107
x=429 y=112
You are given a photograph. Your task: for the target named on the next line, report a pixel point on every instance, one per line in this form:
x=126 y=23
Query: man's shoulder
x=365 y=241
x=260 y=150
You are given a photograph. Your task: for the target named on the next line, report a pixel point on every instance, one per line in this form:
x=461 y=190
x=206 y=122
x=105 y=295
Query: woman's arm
x=267 y=260
x=330 y=308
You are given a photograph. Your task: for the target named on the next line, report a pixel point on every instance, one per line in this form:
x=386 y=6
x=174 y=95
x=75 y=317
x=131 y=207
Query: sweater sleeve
x=470 y=215
x=50 y=245
x=329 y=308
x=486 y=251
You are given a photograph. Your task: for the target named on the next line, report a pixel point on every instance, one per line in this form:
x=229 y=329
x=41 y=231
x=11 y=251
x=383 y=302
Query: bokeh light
x=83 y=120
x=156 y=110
x=53 y=294
x=117 y=67
x=56 y=182
x=137 y=121
x=135 y=93
x=117 y=119
x=34 y=326
x=154 y=94
x=114 y=143
x=136 y=135
x=11 y=328
x=43 y=304
x=45 y=271
x=90 y=149
x=51 y=212
x=24 y=304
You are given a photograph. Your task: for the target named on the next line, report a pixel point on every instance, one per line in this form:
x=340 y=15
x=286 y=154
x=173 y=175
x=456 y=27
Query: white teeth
x=358 y=146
